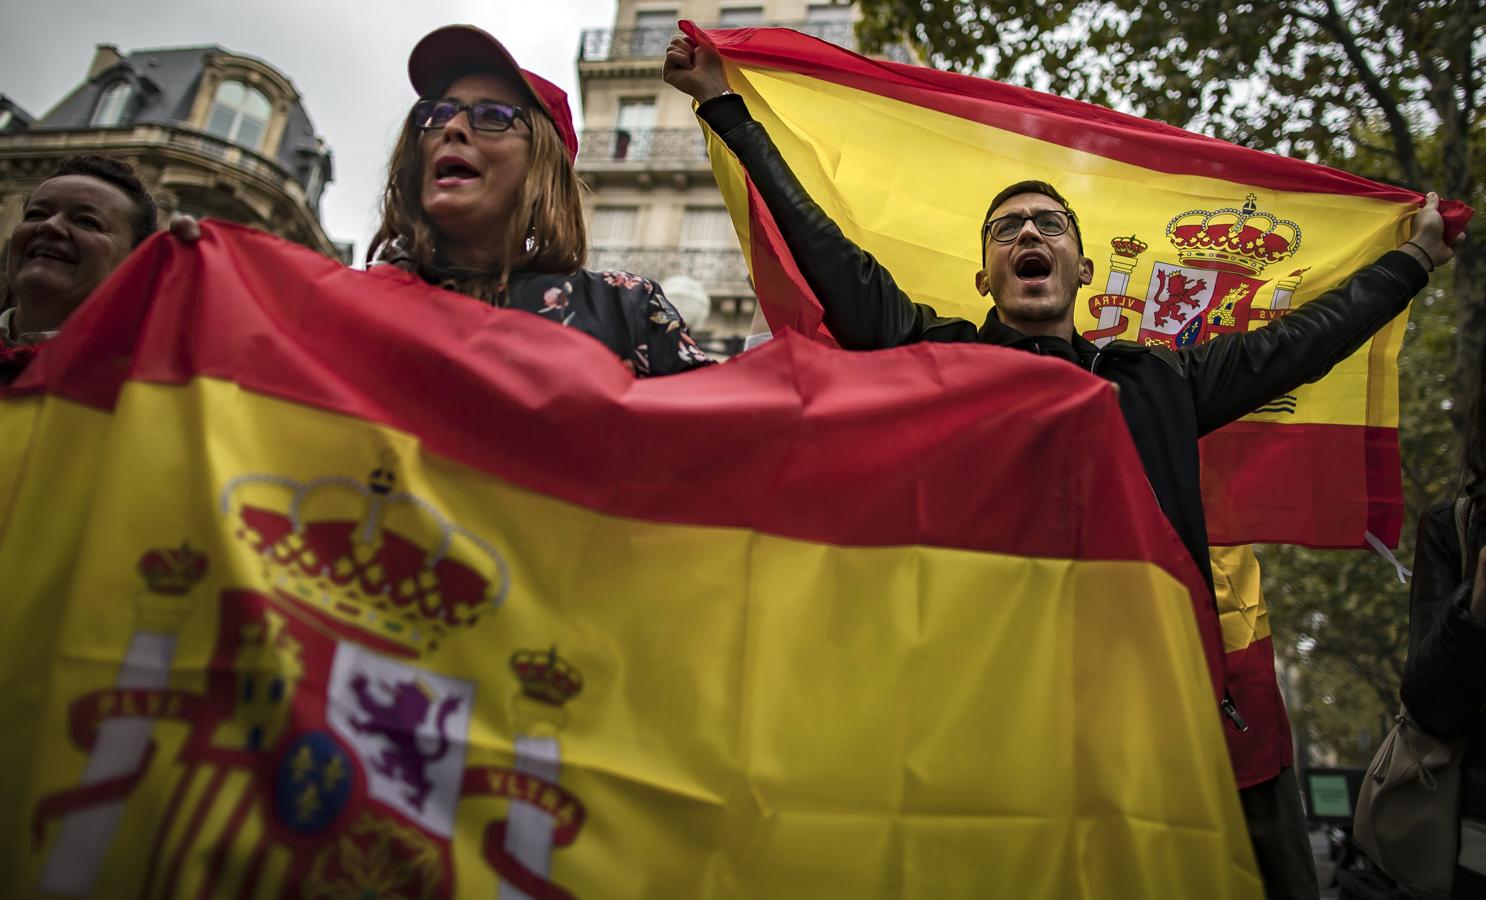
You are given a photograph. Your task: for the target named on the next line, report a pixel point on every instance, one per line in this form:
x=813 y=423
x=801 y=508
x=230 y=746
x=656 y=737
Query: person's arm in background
x=1444 y=679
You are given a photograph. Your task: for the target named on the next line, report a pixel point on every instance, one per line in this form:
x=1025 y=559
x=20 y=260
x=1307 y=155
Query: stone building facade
x=654 y=207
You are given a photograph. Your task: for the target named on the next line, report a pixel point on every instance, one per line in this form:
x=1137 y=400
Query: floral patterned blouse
x=629 y=314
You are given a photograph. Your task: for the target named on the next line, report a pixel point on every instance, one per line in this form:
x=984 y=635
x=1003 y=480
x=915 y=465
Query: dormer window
x=315 y=183
x=113 y=106
x=239 y=114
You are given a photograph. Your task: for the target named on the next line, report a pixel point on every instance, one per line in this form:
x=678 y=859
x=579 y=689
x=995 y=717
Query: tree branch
x=1403 y=139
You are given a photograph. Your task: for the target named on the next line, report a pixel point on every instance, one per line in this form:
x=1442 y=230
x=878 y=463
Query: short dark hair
x=144 y=220
x=1035 y=187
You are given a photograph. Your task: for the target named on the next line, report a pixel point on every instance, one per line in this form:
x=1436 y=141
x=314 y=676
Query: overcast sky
x=348 y=60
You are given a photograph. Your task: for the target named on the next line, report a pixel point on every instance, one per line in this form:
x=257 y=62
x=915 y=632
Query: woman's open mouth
x=451 y=171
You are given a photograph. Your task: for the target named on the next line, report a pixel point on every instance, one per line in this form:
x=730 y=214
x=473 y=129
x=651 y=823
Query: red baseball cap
x=447 y=53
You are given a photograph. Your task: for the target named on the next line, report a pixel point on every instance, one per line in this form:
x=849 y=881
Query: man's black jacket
x=1444 y=680
x=1169 y=398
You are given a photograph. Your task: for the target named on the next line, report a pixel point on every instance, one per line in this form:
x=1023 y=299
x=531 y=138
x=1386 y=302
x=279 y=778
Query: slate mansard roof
x=166 y=82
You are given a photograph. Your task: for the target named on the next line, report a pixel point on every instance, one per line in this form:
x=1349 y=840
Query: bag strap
x=1462 y=520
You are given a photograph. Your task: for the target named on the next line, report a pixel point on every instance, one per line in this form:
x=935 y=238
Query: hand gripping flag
x=324 y=583
x=1191 y=238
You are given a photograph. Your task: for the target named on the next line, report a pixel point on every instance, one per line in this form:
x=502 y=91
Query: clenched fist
x=694 y=70
x=1428 y=237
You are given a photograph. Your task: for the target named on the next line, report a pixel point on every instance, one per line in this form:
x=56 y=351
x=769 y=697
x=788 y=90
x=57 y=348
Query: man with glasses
x=1033 y=266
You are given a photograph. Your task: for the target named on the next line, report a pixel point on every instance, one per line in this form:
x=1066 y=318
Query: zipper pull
x=1232 y=713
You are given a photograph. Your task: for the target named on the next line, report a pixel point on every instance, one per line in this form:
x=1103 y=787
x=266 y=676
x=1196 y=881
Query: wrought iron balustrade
x=604 y=44
x=720 y=265
x=641 y=145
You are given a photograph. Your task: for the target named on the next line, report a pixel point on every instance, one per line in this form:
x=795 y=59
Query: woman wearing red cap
x=482 y=199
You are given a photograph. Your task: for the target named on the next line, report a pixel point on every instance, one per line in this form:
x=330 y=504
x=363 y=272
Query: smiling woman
x=482 y=199
x=75 y=228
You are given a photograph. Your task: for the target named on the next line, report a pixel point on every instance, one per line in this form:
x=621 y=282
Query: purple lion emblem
x=397 y=723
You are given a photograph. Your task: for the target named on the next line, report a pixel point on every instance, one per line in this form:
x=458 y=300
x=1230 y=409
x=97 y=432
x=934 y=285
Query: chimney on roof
x=105 y=57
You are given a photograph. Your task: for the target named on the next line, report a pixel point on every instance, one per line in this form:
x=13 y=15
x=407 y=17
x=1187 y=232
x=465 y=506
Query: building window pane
x=653 y=30
x=656 y=18
x=5 y=117
x=707 y=226
x=614 y=226
x=741 y=16
x=633 y=127
x=221 y=121
x=828 y=12
x=239 y=114
x=113 y=106
x=249 y=132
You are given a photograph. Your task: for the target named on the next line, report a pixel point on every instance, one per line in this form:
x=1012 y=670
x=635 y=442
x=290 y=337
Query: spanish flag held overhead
x=1191 y=238
x=324 y=583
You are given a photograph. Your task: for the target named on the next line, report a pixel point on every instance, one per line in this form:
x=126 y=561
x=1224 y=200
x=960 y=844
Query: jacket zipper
x=1232 y=713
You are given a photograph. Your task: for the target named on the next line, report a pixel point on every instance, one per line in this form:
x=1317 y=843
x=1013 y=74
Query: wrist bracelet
x=1421 y=249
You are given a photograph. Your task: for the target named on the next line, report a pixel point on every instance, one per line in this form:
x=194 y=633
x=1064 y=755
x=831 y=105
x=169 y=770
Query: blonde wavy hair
x=544 y=232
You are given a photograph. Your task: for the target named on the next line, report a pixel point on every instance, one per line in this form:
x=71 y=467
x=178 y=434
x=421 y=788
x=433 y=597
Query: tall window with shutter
x=614 y=226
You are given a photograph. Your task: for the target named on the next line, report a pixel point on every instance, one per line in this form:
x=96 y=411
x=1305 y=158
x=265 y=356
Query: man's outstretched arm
x=1233 y=375
x=864 y=307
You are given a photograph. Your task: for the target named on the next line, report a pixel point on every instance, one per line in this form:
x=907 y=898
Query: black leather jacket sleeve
x=1444 y=680
x=1234 y=374
x=864 y=307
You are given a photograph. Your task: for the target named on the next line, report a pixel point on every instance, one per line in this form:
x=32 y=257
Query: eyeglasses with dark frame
x=1049 y=222
x=486 y=115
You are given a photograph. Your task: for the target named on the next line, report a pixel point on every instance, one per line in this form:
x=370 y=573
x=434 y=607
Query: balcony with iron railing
x=601 y=146
x=713 y=266
x=613 y=44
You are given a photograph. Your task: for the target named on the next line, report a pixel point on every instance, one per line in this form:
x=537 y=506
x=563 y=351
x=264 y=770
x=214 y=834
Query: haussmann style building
x=210 y=133
x=655 y=209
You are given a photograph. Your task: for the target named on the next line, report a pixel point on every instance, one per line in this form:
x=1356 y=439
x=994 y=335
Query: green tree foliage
x=1392 y=88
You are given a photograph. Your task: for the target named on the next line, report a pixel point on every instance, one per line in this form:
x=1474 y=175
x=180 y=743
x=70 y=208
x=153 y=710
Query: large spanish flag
x=1191 y=238
x=323 y=583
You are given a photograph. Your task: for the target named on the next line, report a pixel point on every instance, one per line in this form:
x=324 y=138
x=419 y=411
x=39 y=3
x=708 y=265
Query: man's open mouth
x=1032 y=266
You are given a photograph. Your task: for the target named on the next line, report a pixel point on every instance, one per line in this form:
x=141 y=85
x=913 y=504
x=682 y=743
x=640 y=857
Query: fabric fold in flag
x=1191 y=238
x=307 y=602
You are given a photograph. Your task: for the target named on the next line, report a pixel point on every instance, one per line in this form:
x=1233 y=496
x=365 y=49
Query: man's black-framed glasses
x=1049 y=222
x=487 y=115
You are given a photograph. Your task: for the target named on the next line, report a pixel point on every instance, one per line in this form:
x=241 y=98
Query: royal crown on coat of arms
x=546 y=677
x=172 y=570
x=330 y=545
x=1131 y=246
x=1242 y=241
